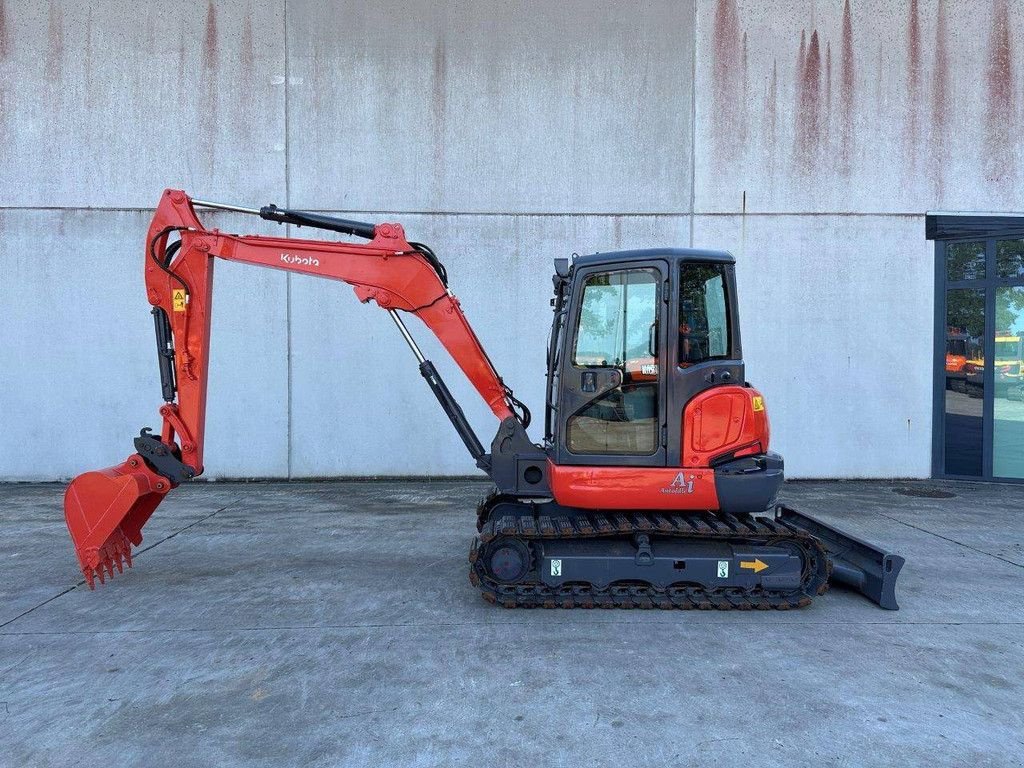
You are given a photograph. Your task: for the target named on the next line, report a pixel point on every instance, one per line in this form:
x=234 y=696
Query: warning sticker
x=758 y=403
x=178 y=299
x=556 y=567
x=723 y=569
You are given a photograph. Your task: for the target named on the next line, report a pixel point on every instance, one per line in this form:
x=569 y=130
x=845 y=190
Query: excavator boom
x=106 y=509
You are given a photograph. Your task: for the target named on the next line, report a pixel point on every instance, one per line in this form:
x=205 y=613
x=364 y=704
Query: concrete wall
x=807 y=136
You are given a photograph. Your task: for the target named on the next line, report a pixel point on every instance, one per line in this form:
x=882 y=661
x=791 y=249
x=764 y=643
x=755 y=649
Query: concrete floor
x=333 y=624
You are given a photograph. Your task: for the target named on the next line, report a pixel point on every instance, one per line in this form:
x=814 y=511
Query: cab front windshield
x=617 y=319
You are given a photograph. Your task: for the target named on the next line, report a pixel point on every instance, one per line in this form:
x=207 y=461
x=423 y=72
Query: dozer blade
x=105 y=511
x=855 y=563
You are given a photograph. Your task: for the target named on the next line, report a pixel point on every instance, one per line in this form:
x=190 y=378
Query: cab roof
x=648 y=254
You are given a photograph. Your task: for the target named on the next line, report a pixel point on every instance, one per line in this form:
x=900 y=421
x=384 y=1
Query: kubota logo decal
x=301 y=261
x=680 y=484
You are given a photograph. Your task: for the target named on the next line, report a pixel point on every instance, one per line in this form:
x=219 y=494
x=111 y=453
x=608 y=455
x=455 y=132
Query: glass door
x=979 y=355
x=1008 y=352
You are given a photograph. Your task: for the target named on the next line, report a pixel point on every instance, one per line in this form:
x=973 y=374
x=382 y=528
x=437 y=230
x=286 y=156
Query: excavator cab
x=645 y=370
x=637 y=336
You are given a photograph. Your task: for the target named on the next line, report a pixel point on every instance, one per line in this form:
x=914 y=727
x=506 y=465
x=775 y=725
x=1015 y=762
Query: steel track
x=501 y=516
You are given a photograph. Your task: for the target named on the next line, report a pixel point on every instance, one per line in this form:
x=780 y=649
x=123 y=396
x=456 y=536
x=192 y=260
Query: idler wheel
x=508 y=560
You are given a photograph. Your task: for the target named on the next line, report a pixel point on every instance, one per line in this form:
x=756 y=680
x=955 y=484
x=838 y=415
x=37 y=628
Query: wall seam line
x=693 y=125
x=288 y=276
x=533 y=214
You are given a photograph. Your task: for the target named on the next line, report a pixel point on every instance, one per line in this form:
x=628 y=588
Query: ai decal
x=682 y=483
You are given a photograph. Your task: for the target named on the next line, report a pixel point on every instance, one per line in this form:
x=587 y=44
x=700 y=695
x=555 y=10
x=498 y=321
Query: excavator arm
x=106 y=509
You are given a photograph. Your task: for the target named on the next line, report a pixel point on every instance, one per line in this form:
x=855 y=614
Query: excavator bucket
x=105 y=511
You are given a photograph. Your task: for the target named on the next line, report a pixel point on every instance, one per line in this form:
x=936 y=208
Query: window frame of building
x=951 y=229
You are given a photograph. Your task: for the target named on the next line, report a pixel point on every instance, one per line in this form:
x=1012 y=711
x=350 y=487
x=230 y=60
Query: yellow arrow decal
x=754 y=565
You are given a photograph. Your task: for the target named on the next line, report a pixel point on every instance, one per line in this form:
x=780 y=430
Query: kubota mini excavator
x=655 y=466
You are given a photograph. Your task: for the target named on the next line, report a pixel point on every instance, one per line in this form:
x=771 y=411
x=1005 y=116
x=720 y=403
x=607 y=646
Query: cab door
x=611 y=403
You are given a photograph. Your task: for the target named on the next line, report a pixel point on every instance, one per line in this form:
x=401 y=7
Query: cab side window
x=704 y=332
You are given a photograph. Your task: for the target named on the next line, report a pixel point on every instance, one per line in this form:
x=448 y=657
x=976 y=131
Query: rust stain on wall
x=150 y=28
x=181 y=64
x=725 y=77
x=55 y=43
x=440 y=96
x=248 y=47
x=771 y=108
x=801 y=56
x=439 y=108
x=827 y=119
x=5 y=50
x=88 y=50
x=913 y=132
x=240 y=117
x=5 y=40
x=808 y=127
x=940 y=104
x=1000 y=159
x=210 y=38
x=880 y=100
x=897 y=88
x=798 y=78
x=744 y=96
x=846 y=92
x=208 y=78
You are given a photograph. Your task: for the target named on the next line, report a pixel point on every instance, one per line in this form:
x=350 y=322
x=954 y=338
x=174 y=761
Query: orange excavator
x=654 y=485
